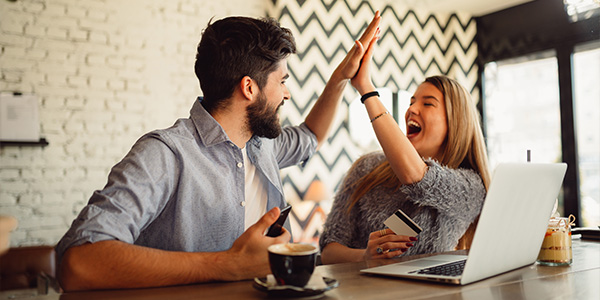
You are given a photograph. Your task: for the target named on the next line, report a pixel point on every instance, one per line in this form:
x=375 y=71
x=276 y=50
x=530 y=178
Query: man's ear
x=248 y=87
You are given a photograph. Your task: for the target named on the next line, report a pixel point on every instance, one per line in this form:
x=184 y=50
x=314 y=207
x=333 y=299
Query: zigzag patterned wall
x=413 y=45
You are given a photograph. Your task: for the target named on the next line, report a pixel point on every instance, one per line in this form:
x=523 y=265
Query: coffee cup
x=292 y=263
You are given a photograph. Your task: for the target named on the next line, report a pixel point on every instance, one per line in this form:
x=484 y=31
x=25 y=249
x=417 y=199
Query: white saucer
x=273 y=289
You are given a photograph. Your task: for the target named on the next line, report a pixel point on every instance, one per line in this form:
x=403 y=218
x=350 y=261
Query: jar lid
x=562 y=221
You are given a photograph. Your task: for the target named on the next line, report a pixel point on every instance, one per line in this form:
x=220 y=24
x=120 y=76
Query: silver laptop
x=510 y=231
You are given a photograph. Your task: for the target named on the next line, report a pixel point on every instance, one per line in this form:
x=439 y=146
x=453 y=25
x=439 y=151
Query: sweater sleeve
x=337 y=225
x=458 y=193
x=340 y=226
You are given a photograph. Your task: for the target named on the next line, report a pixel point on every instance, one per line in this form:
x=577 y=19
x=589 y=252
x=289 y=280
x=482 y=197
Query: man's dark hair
x=235 y=47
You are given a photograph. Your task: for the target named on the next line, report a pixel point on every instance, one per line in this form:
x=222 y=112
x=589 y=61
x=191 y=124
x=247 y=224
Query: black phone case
x=275 y=229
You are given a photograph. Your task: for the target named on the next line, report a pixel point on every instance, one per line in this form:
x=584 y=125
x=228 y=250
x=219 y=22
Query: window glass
x=586 y=86
x=522 y=110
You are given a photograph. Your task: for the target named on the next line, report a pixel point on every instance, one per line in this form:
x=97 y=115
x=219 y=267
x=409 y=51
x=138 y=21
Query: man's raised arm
x=321 y=115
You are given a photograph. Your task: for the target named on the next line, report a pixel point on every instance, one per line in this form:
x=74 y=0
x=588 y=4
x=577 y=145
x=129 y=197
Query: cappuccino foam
x=292 y=249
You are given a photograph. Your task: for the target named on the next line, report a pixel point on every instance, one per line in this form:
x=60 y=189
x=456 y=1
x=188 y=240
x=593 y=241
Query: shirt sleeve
x=295 y=145
x=137 y=190
x=458 y=193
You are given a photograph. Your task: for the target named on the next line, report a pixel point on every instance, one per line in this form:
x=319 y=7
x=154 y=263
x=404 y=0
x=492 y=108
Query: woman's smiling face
x=426 y=121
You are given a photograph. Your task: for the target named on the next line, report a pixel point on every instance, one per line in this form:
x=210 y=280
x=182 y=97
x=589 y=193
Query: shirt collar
x=209 y=130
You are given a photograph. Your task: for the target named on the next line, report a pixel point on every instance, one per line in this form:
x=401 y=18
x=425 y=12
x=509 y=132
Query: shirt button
x=239 y=165
x=243 y=203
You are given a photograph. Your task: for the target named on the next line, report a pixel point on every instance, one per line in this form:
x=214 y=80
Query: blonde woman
x=437 y=174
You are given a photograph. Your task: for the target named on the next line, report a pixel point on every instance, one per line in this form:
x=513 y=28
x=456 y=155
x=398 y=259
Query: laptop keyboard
x=449 y=269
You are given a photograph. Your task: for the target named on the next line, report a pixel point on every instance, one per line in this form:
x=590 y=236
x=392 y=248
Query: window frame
x=532 y=27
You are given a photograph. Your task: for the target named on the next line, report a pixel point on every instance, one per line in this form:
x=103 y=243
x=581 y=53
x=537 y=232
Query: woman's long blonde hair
x=464 y=147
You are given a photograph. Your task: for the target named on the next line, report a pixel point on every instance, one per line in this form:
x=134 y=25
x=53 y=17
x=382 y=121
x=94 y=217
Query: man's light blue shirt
x=182 y=188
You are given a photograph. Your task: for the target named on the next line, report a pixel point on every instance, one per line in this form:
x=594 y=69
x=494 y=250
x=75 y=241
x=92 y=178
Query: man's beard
x=261 y=120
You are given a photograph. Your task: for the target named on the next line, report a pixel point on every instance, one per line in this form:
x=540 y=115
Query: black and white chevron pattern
x=413 y=45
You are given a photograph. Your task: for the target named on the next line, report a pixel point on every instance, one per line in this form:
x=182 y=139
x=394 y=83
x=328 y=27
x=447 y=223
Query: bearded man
x=191 y=203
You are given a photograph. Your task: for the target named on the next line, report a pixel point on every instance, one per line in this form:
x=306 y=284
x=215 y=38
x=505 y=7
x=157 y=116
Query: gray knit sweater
x=444 y=203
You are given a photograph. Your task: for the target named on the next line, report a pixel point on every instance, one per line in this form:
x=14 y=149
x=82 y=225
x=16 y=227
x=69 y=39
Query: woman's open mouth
x=412 y=128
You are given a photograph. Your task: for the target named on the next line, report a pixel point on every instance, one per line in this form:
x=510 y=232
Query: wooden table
x=581 y=280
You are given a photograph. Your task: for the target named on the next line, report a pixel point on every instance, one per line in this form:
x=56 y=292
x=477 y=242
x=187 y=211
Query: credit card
x=401 y=224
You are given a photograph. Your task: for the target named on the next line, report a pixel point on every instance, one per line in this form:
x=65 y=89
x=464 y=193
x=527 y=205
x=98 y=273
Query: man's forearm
x=321 y=115
x=115 y=264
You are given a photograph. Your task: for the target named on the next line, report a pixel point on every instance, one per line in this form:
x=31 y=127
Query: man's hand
x=321 y=116
x=362 y=80
x=351 y=64
x=249 y=252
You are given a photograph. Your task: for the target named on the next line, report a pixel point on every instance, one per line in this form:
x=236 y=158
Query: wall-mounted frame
x=19 y=120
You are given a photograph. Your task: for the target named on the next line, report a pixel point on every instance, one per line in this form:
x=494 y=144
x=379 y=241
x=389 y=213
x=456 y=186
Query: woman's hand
x=386 y=244
x=362 y=81
x=349 y=67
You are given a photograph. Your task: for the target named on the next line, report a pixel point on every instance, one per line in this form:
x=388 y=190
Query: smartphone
x=275 y=229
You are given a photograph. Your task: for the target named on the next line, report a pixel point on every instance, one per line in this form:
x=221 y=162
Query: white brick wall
x=105 y=72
